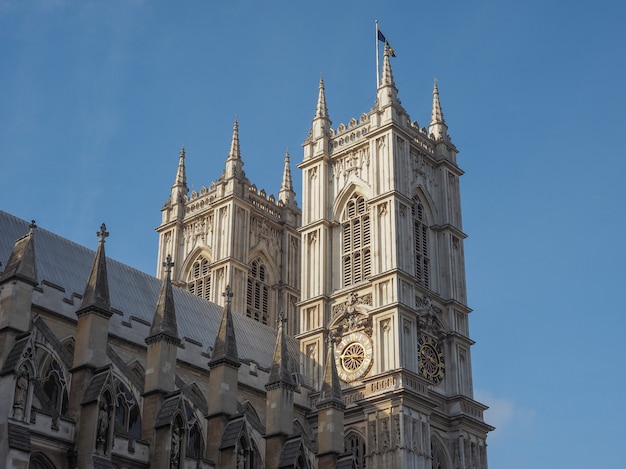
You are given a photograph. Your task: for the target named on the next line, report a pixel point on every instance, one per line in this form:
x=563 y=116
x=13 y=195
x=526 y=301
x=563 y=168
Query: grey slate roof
x=15 y=355
x=292 y=450
x=93 y=391
x=232 y=432
x=66 y=265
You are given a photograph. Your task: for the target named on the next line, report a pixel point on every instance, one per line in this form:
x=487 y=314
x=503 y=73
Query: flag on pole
x=382 y=38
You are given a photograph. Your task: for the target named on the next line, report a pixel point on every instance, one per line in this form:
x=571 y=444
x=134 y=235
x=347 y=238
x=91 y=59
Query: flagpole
x=377 y=66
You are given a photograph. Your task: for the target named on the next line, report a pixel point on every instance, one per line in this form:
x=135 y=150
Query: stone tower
x=383 y=274
x=232 y=233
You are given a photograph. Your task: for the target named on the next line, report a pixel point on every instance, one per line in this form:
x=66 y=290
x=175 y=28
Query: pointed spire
x=387 y=78
x=321 y=111
x=22 y=264
x=279 y=372
x=181 y=175
x=437 y=126
x=225 y=348
x=235 y=152
x=286 y=193
x=96 y=295
x=234 y=163
x=164 y=321
x=331 y=386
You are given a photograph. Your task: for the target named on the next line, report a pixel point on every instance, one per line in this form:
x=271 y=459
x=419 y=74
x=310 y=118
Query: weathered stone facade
x=335 y=335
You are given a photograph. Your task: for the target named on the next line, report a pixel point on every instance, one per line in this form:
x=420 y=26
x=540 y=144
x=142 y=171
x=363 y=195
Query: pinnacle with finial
x=96 y=294
x=321 y=111
x=228 y=294
x=103 y=233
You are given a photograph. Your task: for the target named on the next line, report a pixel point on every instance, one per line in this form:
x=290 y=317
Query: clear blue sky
x=97 y=97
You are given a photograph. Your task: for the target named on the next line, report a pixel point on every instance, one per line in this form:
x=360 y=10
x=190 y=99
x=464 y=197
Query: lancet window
x=258 y=292
x=199 y=278
x=355 y=245
x=127 y=414
x=422 y=245
x=55 y=386
x=356 y=445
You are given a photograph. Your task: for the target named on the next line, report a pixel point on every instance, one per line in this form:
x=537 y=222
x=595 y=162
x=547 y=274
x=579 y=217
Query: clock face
x=431 y=362
x=353 y=356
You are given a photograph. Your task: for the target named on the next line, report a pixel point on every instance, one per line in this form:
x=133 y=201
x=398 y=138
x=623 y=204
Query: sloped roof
x=133 y=293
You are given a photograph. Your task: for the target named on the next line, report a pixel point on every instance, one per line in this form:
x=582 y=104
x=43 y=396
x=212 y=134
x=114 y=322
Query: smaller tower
x=90 y=354
x=330 y=413
x=279 y=400
x=16 y=291
x=223 y=380
x=286 y=194
x=92 y=328
x=163 y=343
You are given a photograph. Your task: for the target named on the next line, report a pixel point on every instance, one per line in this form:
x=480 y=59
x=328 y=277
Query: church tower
x=383 y=275
x=232 y=233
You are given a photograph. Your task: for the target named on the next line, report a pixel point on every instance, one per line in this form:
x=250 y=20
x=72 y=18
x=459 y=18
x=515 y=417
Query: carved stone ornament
x=429 y=318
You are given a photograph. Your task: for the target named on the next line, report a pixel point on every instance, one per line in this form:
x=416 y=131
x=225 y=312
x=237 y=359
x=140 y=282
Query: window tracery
x=55 y=386
x=258 y=292
x=127 y=413
x=355 y=246
x=422 y=246
x=356 y=445
x=199 y=278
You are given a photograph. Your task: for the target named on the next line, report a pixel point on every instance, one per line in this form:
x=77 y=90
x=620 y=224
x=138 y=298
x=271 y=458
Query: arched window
x=194 y=445
x=258 y=292
x=127 y=414
x=40 y=461
x=355 y=248
x=54 y=385
x=199 y=278
x=422 y=247
x=356 y=445
x=247 y=454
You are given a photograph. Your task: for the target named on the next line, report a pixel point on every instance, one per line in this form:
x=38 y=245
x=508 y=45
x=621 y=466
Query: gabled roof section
x=124 y=369
x=233 y=432
x=293 y=449
x=133 y=295
x=171 y=405
x=97 y=384
x=22 y=263
x=96 y=295
x=15 y=354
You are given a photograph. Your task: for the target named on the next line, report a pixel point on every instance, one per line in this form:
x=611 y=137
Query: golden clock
x=431 y=361
x=353 y=356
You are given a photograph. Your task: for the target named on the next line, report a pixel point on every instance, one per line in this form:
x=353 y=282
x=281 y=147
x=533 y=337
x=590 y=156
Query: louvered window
x=199 y=281
x=258 y=293
x=355 y=250
x=420 y=236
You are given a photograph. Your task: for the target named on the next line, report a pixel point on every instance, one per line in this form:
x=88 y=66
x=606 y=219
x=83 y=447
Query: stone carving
x=175 y=445
x=102 y=433
x=21 y=393
x=348 y=318
x=371 y=443
x=385 y=435
x=429 y=319
x=397 y=435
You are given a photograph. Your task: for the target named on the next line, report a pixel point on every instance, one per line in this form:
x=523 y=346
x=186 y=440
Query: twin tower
x=369 y=273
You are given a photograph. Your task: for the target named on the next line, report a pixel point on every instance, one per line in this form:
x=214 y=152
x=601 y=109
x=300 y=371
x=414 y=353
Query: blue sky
x=98 y=97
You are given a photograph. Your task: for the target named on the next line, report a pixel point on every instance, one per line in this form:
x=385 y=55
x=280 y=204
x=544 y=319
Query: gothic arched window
x=54 y=386
x=199 y=278
x=355 y=247
x=127 y=414
x=356 y=445
x=258 y=293
x=40 y=461
x=422 y=247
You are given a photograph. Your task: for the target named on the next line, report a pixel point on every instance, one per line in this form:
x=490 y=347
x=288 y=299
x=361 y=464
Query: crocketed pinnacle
x=96 y=295
x=225 y=348
x=21 y=264
x=279 y=373
x=331 y=386
x=164 y=321
x=321 y=111
x=437 y=125
x=181 y=175
x=235 y=152
x=387 y=78
x=286 y=193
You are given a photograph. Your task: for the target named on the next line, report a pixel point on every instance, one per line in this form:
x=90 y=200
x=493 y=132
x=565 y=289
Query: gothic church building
x=334 y=335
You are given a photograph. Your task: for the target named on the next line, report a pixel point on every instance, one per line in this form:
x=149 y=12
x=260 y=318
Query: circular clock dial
x=353 y=356
x=431 y=362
